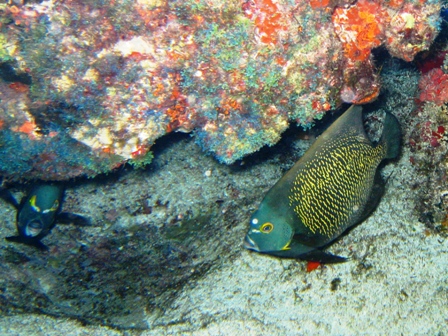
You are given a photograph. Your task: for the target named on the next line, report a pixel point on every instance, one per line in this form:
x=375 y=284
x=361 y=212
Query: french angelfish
x=334 y=185
x=38 y=213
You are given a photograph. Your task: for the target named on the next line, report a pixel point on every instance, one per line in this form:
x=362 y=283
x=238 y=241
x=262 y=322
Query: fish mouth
x=287 y=247
x=250 y=244
x=34 y=228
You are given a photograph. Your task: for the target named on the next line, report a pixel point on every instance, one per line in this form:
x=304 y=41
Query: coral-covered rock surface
x=107 y=80
x=429 y=142
x=157 y=255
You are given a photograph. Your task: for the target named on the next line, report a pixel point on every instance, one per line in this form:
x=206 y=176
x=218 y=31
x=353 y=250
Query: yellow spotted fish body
x=331 y=188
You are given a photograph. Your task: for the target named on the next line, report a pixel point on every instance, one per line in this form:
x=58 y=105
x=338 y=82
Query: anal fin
x=322 y=257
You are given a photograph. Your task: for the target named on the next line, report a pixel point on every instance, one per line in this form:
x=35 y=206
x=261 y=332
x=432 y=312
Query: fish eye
x=267 y=227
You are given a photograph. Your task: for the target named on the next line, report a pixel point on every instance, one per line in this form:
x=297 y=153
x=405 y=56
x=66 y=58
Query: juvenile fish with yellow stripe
x=334 y=185
x=38 y=213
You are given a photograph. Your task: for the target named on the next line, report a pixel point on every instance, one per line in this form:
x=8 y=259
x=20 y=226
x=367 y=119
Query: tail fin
x=391 y=136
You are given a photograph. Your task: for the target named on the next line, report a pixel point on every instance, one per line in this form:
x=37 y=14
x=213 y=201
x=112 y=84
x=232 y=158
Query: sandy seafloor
x=395 y=283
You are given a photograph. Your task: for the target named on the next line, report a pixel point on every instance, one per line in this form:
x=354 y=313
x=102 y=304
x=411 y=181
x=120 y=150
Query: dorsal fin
x=349 y=122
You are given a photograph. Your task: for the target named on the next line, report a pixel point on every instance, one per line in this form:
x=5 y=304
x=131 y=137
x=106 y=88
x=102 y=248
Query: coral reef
x=434 y=87
x=429 y=143
x=29 y=151
x=165 y=252
x=417 y=95
x=110 y=80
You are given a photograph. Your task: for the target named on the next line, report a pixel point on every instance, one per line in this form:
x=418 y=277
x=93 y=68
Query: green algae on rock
x=235 y=73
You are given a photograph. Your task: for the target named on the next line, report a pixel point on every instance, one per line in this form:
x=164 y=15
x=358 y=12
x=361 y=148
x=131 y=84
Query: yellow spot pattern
x=330 y=191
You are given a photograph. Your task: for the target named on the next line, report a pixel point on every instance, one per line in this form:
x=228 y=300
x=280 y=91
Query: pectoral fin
x=298 y=250
x=71 y=218
x=6 y=195
x=36 y=243
x=308 y=240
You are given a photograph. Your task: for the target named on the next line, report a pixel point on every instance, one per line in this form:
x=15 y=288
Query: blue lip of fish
x=250 y=244
x=334 y=185
x=38 y=213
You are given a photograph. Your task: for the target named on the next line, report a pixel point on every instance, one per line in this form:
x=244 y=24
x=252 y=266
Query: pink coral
x=434 y=87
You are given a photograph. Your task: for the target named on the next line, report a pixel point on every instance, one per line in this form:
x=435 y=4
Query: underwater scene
x=224 y=167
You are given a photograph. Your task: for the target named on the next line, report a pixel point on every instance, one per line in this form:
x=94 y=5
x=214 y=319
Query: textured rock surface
x=95 y=85
x=154 y=232
x=165 y=251
x=396 y=269
x=428 y=140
